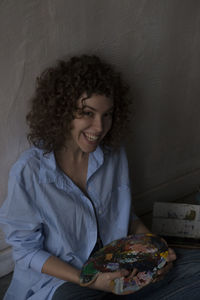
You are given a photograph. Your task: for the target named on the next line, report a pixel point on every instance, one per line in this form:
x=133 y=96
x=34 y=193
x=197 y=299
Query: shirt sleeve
x=22 y=225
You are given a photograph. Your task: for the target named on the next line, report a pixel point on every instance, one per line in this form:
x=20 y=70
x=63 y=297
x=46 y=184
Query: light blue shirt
x=46 y=214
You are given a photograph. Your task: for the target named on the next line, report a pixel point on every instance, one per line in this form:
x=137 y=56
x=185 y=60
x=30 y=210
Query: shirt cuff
x=39 y=259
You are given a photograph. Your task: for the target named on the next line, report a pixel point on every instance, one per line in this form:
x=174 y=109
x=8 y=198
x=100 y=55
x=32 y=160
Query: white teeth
x=91 y=137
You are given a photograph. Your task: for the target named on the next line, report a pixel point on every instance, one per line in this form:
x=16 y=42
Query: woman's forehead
x=95 y=102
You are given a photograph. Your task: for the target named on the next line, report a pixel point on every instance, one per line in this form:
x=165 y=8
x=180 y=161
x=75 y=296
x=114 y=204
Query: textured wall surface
x=156 y=45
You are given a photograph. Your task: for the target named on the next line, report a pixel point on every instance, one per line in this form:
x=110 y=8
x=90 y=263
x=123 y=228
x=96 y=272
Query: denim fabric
x=71 y=291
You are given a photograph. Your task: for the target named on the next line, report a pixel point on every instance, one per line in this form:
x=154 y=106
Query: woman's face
x=91 y=125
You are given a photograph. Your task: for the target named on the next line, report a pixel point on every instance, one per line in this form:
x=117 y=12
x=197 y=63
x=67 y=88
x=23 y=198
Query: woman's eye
x=88 y=113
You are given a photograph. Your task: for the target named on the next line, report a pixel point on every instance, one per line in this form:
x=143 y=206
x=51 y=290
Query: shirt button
x=100 y=211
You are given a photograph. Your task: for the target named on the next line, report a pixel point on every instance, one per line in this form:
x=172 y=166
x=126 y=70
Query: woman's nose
x=98 y=124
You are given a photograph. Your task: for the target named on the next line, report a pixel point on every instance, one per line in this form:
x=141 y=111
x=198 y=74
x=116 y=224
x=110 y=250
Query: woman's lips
x=91 y=138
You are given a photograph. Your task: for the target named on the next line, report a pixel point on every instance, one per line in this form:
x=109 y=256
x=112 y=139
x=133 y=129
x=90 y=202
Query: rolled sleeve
x=23 y=226
x=38 y=260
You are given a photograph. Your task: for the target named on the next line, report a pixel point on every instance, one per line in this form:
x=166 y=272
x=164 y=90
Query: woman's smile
x=92 y=138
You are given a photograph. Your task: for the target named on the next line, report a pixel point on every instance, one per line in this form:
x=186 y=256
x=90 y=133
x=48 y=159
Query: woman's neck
x=74 y=165
x=66 y=155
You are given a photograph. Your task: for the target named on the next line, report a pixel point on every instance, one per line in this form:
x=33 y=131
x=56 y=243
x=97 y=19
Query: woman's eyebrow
x=92 y=108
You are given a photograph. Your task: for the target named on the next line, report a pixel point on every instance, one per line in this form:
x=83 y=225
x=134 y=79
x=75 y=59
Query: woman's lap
x=72 y=291
x=181 y=283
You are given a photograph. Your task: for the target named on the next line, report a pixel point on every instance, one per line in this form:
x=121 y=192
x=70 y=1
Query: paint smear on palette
x=145 y=252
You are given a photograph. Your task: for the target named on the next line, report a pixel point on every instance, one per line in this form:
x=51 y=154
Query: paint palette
x=145 y=252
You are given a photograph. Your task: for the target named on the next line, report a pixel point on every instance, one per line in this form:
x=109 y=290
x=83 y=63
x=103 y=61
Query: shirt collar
x=48 y=168
x=49 y=171
x=96 y=159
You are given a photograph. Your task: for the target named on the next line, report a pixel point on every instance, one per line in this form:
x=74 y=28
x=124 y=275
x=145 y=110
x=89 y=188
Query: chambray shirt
x=46 y=214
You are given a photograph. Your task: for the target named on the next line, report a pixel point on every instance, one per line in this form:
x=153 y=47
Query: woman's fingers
x=105 y=281
x=165 y=269
x=132 y=273
x=162 y=272
x=118 y=274
x=171 y=256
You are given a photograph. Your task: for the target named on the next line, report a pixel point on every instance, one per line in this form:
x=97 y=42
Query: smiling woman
x=69 y=194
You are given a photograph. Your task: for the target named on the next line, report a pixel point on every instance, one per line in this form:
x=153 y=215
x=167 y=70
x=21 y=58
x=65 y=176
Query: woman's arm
x=137 y=227
x=60 y=269
x=56 y=267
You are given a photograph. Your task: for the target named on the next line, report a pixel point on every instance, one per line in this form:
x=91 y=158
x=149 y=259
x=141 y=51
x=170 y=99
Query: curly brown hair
x=57 y=91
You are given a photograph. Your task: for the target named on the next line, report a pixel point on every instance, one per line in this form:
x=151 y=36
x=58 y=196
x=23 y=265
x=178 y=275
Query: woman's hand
x=104 y=281
x=162 y=272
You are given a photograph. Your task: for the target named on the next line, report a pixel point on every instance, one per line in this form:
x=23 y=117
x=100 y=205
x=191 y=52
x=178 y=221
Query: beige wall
x=155 y=43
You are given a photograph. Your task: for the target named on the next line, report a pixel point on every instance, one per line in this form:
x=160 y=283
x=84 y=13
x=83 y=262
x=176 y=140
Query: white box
x=176 y=220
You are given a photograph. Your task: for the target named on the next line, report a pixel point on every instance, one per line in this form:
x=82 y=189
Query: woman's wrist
x=77 y=273
x=56 y=267
x=138 y=227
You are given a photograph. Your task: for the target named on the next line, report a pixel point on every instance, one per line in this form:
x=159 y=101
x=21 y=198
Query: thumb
x=171 y=256
x=118 y=274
